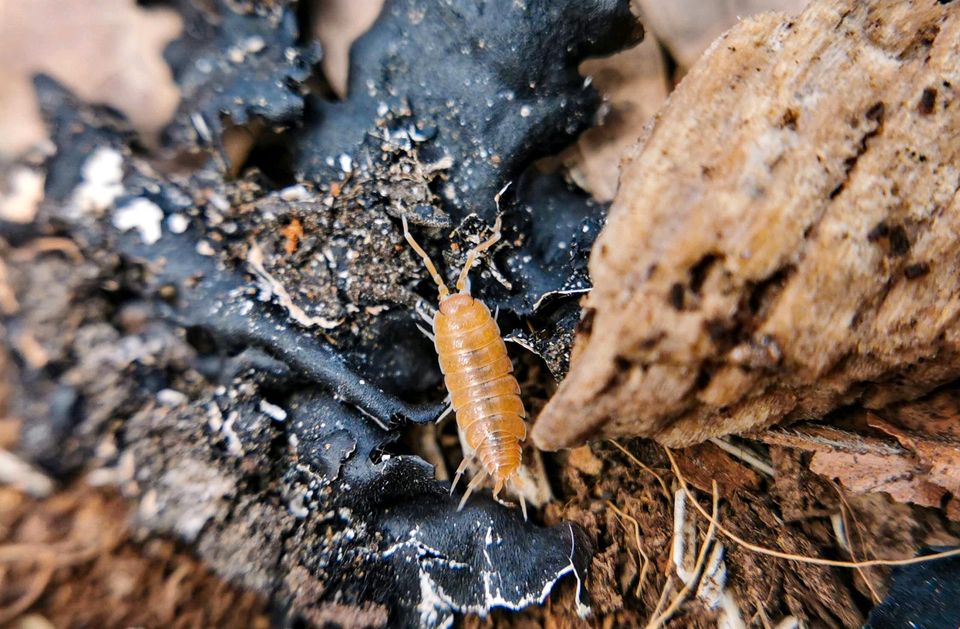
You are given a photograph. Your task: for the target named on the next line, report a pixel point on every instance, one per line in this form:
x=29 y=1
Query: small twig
x=255 y=260
x=744 y=455
x=47 y=558
x=664 y=593
x=40 y=246
x=36 y=590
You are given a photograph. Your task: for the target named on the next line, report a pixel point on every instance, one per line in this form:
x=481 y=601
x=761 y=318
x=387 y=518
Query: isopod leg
x=426 y=333
x=497 y=488
x=445 y=413
x=426 y=316
x=523 y=507
x=477 y=480
x=460 y=471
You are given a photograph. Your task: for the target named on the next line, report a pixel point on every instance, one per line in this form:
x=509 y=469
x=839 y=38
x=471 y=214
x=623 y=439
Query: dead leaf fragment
x=935 y=414
x=940 y=455
x=899 y=476
x=337 y=24
x=113 y=54
x=919 y=469
x=634 y=85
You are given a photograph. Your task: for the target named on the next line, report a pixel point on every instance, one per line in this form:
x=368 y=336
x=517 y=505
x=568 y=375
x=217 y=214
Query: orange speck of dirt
x=335 y=189
x=293 y=232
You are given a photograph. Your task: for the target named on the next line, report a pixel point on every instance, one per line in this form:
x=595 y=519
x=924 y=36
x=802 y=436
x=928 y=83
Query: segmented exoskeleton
x=478 y=375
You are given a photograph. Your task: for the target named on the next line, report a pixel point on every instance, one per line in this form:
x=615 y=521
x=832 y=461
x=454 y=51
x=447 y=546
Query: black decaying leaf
x=921 y=595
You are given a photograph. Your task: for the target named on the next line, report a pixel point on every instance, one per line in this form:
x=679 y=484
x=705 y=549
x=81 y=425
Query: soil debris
x=74 y=548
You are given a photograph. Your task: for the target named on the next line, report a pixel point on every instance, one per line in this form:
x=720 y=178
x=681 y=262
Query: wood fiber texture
x=786 y=239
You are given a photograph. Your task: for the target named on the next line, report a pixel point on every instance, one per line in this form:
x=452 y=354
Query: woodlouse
x=478 y=375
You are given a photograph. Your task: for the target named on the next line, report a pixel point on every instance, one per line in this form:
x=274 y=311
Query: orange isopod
x=478 y=374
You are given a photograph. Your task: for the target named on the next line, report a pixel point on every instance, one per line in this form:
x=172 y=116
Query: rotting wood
x=785 y=240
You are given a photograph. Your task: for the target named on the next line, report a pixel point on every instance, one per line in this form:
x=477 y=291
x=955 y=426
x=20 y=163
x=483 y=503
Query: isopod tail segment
x=476 y=482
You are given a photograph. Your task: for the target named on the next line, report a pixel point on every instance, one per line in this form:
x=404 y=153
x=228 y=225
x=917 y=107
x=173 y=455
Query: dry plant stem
x=645 y=563
x=660 y=620
x=664 y=593
x=60 y=555
x=819 y=561
x=46 y=245
x=744 y=455
x=762 y=615
x=47 y=559
x=844 y=511
x=39 y=584
x=643 y=466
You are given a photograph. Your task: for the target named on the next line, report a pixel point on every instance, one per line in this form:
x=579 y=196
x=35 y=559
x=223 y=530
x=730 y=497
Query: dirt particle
x=789 y=119
x=928 y=101
x=676 y=295
x=700 y=270
x=876 y=112
x=899 y=241
x=293 y=232
x=917 y=270
x=879 y=231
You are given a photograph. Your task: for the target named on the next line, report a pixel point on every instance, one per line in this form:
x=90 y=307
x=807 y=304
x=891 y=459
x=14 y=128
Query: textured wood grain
x=785 y=241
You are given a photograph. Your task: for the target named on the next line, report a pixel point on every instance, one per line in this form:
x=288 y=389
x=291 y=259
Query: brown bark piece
x=863 y=473
x=940 y=455
x=801 y=494
x=937 y=414
x=783 y=238
x=701 y=464
x=921 y=470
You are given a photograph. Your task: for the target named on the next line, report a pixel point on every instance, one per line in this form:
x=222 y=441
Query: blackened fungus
x=237 y=66
x=497 y=81
x=921 y=595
